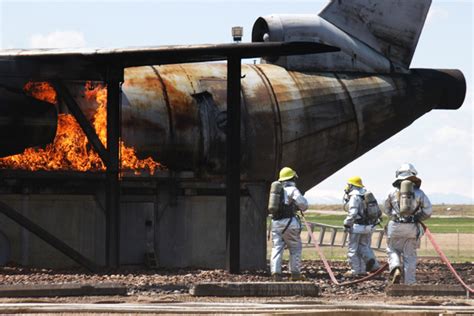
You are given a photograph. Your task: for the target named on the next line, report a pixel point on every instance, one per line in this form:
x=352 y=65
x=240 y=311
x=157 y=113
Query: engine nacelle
x=355 y=55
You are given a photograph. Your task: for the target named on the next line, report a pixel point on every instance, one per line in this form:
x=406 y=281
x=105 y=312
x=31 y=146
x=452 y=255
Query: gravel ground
x=173 y=284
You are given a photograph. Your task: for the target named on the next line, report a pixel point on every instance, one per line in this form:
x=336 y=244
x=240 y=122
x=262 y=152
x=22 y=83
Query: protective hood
x=357 y=191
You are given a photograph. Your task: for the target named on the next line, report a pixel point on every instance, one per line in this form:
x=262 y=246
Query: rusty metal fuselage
x=313 y=122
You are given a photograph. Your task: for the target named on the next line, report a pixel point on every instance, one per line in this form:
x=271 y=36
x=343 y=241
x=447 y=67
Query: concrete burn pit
x=174 y=284
x=164 y=213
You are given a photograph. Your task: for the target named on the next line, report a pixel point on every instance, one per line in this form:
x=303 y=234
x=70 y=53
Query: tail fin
x=391 y=27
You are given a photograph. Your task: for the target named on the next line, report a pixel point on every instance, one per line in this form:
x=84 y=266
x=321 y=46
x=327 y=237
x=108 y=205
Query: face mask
x=347 y=190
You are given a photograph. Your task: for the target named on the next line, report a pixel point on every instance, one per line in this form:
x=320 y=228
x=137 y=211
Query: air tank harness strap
x=287 y=225
x=328 y=267
x=445 y=259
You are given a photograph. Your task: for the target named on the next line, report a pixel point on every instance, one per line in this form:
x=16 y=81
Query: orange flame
x=70 y=149
x=42 y=91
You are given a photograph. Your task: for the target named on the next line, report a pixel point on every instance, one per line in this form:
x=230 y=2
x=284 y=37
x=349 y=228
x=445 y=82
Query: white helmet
x=406 y=171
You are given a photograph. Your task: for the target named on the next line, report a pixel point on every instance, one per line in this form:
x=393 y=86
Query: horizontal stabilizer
x=391 y=27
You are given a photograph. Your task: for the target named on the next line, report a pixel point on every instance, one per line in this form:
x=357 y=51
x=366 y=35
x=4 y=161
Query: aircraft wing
x=92 y=64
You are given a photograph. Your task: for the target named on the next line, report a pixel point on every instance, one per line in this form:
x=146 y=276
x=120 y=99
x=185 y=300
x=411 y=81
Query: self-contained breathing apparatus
x=408 y=206
x=276 y=202
x=371 y=214
x=406 y=202
x=372 y=211
x=406 y=198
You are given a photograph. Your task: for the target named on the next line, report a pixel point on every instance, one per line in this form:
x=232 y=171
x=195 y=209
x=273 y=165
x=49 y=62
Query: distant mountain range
x=435 y=198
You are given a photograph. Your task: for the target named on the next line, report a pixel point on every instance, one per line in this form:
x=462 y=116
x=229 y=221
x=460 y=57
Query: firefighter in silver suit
x=360 y=227
x=406 y=206
x=286 y=227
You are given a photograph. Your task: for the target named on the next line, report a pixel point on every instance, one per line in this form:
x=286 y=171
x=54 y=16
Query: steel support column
x=233 y=164
x=114 y=79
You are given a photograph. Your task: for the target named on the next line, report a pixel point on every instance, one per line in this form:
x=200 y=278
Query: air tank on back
x=314 y=122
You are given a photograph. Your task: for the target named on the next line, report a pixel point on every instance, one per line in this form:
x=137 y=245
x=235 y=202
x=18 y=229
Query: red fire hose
x=445 y=259
x=385 y=266
x=328 y=267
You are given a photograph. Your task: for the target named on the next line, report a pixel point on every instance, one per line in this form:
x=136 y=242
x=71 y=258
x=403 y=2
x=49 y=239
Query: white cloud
x=58 y=39
x=453 y=135
x=437 y=14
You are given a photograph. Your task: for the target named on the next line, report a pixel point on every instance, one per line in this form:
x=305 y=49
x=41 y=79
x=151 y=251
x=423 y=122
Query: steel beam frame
x=47 y=237
x=73 y=107
x=110 y=65
x=110 y=155
x=112 y=213
x=233 y=164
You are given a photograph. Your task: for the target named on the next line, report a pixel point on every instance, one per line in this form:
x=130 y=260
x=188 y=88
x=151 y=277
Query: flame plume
x=70 y=149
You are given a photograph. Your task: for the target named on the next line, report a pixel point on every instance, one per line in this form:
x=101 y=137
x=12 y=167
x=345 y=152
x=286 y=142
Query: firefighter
x=406 y=206
x=363 y=215
x=286 y=225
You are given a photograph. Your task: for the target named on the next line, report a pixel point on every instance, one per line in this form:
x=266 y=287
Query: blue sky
x=440 y=144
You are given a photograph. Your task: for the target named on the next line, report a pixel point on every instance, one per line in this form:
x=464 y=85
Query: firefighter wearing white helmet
x=406 y=206
x=285 y=200
x=363 y=215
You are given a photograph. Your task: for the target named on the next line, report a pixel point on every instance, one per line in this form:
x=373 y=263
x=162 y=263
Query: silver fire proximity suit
x=404 y=233
x=291 y=236
x=360 y=234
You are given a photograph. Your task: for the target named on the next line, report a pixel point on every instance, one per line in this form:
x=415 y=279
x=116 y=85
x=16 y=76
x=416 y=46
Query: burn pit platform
x=166 y=215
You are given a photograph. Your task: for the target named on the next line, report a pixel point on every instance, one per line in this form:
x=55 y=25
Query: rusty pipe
x=314 y=122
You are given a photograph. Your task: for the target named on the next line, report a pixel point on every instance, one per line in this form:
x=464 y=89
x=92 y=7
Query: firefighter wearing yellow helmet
x=363 y=215
x=406 y=206
x=285 y=200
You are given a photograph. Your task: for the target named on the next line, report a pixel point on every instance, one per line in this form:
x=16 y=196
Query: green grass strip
x=463 y=225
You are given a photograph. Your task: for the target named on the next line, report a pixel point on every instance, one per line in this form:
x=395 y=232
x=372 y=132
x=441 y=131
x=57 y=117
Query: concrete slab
x=243 y=307
x=425 y=290
x=255 y=289
x=61 y=290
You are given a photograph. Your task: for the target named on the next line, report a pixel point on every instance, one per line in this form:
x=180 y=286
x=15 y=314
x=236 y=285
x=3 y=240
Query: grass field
x=454 y=234
x=457 y=247
x=435 y=224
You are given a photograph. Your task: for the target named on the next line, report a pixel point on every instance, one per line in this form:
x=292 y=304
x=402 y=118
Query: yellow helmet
x=355 y=181
x=287 y=173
